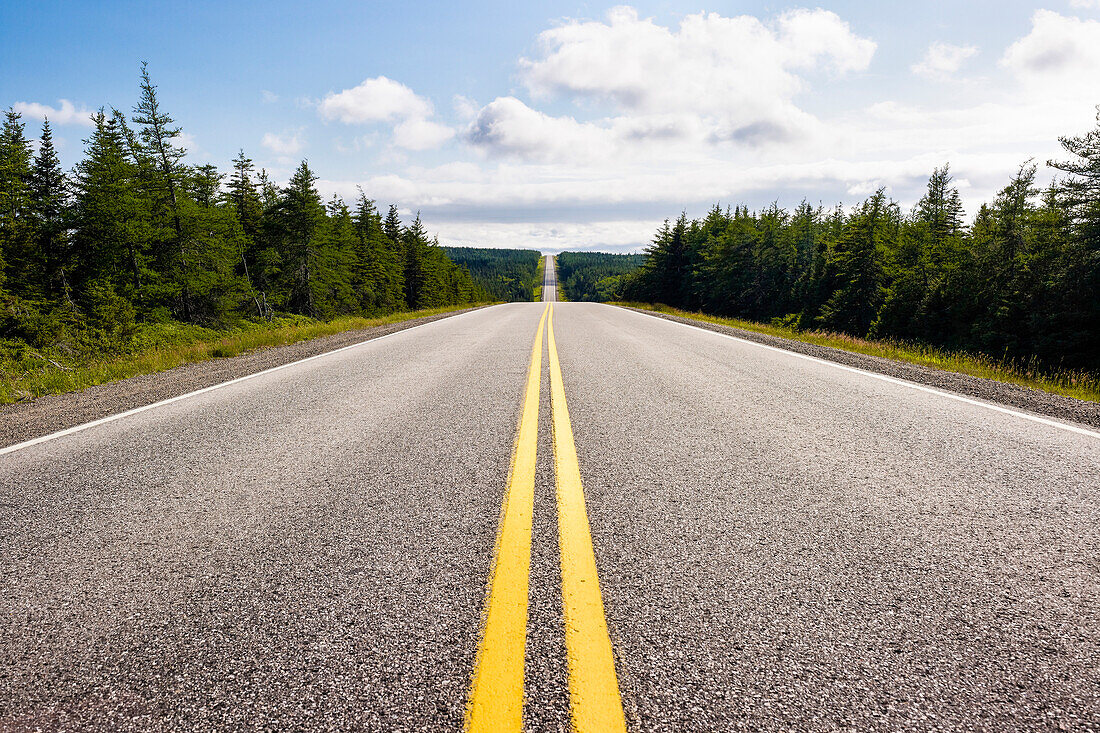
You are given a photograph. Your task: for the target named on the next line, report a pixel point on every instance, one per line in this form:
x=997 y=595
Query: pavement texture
x=24 y=420
x=782 y=545
x=788 y=546
x=1012 y=395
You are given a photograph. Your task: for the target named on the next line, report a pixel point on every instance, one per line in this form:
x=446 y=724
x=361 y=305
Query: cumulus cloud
x=284 y=145
x=711 y=109
x=1060 y=55
x=943 y=59
x=375 y=100
x=66 y=113
x=417 y=133
x=738 y=68
x=384 y=100
x=712 y=80
x=509 y=127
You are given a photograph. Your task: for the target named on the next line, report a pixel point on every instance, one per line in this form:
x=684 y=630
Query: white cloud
x=943 y=59
x=419 y=134
x=506 y=126
x=284 y=145
x=1084 y=4
x=465 y=107
x=384 y=100
x=269 y=97
x=66 y=113
x=1059 y=56
x=718 y=109
x=735 y=69
x=711 y=81
x=809 y=37
x=375 y=100
x=617 y=235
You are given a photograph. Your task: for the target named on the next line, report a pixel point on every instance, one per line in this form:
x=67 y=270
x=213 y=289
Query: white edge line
x=892 y=380
x=204 y=390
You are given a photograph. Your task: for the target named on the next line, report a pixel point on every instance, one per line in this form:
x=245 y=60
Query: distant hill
x=594 y=276
x=508 y=274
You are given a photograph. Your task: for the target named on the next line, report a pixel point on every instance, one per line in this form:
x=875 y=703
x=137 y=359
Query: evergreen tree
x=382 y=275
x=245 y=199
x=296 y=225
x=49 y=202
x=856 y=261
x=392 y=226
x=110 y=217
x=16 y=216
x=161 y=161
x=1076 y=291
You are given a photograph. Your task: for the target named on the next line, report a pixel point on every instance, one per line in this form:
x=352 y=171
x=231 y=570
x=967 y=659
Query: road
x=550 y=280
x=781 y=544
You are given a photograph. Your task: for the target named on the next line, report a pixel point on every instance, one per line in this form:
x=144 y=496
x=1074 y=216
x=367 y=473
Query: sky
x=566 y=125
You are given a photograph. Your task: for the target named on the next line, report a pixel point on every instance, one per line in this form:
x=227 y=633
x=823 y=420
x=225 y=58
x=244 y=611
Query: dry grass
x=1077 y=384
x=170 y=345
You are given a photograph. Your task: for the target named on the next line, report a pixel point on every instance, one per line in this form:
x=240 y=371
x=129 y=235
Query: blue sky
x=578 y=125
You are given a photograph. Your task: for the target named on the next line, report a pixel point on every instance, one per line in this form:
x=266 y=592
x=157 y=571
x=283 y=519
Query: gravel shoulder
x=1003 y=393
x=27 y=420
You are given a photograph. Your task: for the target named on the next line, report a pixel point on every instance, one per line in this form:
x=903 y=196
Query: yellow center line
x=496 y=699
x=593 y=687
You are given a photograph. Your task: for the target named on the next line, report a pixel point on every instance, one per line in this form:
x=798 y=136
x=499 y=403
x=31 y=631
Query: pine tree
x=298 y=219
x=249 y=210
x=49 y=202
x=392 y=225
x=857 y=261
x=382 y=277
x=163 y=159
x=16 y=217
x=1077 y=279
x=110 y=216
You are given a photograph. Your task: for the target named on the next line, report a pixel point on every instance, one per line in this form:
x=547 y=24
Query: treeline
x=1020 y=281
x=595 y=276
x=510 y=275
x=135 y=235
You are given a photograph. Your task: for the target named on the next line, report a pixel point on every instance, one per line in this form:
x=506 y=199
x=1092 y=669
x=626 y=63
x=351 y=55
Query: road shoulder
x=1001 y=393
x=28 y=420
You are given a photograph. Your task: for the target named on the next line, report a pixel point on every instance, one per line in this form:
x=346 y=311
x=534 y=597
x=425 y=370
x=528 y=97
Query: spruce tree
x=299 y=217
x=16 y=216
x=162 y=160
x=249 y=210
x=110 y=216
x=49 y=202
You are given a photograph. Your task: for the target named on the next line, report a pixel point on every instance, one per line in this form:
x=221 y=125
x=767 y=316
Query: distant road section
x=550 y=281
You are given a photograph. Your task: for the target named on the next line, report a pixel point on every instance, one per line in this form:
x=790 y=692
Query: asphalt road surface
x=550 y=280
x=781 y=544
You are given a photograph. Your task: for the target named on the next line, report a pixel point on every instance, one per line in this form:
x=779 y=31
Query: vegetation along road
x=554 y=515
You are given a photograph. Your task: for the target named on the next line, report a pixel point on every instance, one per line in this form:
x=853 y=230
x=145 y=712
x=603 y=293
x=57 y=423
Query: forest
x=509 y=275
x=134 y=239
x=1020 y=281
x=595 y=276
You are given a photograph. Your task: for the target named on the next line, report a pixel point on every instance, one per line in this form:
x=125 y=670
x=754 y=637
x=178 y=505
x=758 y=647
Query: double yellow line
x=496 y=699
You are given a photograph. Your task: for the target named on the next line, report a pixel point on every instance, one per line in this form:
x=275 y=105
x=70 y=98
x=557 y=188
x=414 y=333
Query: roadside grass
x=1078 y=384
x=30 y=373
x=541 y=273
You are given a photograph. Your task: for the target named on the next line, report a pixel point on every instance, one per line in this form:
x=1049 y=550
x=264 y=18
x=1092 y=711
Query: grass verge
x=1076 y=384
x=162 y=346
